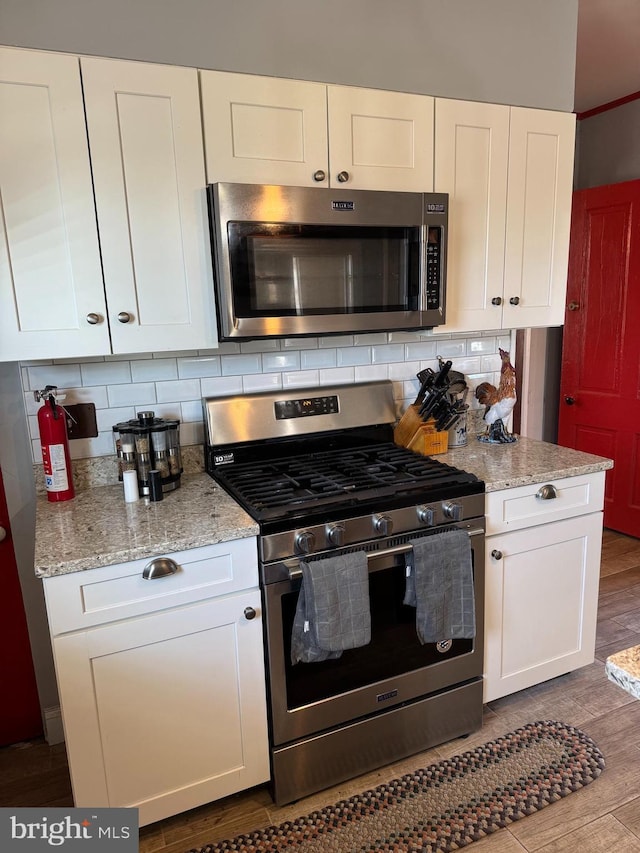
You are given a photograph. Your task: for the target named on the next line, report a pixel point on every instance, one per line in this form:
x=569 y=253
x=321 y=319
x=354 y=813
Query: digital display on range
x=305 y=407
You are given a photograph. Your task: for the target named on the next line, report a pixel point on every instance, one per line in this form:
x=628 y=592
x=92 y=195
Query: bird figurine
x=498 y=403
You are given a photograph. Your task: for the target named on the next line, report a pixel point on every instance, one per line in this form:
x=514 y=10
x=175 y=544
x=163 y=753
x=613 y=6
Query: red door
x=600 y=384
x=20 y=716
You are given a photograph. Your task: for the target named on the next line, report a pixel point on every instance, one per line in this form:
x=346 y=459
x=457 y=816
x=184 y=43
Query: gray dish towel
x=440 y=586
x=333 y=611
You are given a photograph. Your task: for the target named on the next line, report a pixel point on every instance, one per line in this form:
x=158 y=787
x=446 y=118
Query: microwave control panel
x=433 y=262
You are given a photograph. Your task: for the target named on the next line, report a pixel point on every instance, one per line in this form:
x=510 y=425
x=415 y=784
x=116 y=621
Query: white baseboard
x=53 y=730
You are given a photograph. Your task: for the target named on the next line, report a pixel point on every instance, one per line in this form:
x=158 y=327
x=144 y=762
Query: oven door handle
x=295 y=573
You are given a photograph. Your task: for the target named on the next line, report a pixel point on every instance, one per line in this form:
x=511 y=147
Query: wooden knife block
x=412 y=432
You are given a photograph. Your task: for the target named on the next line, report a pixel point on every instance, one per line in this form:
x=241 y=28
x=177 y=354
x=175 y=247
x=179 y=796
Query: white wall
x=504 y=51
x=609 y=147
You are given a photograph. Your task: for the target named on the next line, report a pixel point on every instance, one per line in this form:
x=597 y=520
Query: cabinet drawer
x=109 y=593
x=524 y=506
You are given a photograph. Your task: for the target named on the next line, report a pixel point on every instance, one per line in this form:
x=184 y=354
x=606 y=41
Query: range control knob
x=452 y=511
x=383 y=525
x=304 y=542
x=335 y=534
x=426 y=515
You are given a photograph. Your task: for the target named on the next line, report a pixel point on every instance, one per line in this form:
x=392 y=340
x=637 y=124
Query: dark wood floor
x=605 y=816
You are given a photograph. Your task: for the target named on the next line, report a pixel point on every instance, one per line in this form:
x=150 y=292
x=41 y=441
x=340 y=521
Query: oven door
x=393 y=669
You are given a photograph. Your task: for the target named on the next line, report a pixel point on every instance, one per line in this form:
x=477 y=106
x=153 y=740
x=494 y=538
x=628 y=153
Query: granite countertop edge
x=98 y=529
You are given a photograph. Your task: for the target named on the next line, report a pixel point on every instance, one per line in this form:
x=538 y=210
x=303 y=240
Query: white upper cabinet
x=51 y=292
x=268 y=130
x=509 y=173
x=147 y=157
x=262 y=130
x=471 y=157
x=541 y=151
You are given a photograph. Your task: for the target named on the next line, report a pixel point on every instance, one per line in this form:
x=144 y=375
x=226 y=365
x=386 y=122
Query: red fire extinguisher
x=52 y=422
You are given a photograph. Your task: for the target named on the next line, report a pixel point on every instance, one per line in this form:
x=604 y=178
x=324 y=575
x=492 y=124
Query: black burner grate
x=335 y=476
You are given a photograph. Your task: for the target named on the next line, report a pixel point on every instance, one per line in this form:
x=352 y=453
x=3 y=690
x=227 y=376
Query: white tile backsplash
x=173 y=384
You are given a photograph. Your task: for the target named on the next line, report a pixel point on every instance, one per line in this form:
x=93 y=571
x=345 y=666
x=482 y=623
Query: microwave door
x=322 y=283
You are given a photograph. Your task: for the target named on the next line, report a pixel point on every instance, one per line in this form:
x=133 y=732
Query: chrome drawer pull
x=160 y=568
x=547 y=493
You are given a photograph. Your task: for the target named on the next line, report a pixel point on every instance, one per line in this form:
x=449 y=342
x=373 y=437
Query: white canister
x=458 y=432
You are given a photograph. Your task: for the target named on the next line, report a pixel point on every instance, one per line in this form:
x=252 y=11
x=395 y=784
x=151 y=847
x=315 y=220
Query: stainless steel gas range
x=319 y=472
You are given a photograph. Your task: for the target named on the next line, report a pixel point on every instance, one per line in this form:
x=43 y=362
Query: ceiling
x=608 y=52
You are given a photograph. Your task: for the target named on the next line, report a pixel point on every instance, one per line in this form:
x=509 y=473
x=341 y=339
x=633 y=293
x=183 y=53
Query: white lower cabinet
x=542 y=577
x=164 y=710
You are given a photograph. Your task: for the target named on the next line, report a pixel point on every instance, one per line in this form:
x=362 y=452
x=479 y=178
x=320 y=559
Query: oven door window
x=304 y=270
x=394 y=648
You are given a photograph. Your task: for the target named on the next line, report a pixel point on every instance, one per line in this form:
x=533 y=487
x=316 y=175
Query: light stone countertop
x=97 y=528
x=526 y=461
x=623 y=669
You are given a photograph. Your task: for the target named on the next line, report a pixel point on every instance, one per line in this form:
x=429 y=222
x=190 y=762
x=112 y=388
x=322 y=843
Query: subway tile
x=138 y=394
x=38 y=362
x=387 y=353
x=122 y=356
x=337 y=376
x=221 y=387
x=106 y=418
x=239 y=365
x=371 y=373
x=60 y=375
x=299 y=343
x=36 y=451
x=155 y=370
x=490 y=362
x=102 y=445
x=267 y=345
x=403 y=338
x=468 y=365
x=192 y=433
x=187 y=353
x=451 y=349
x=191 y=410
x=257 y=382
x=318 y=358
x=477 y=346
x=181 y=389
x=350 y=356
x=166 y=411
x=272 y=362
x=106 y=373
x=85 y=359
x=335 y=341
x=34 y=430
x=223 y=348
x=96 y=394
x=300 y=379
x=422 y=350
x=504 y=342
x=404 y=370
x=199 y=366
x=372 y=338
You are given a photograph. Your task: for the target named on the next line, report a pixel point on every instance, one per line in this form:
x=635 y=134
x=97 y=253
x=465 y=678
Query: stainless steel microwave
x=317 y=261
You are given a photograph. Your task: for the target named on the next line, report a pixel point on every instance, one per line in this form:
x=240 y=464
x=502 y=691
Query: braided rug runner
x=445 y=806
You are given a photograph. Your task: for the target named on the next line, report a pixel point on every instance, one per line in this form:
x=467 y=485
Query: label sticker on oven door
x=382 y=697
x=223 y=458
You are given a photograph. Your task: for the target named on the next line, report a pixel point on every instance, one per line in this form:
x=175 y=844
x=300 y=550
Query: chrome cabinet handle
x=93 y=319
x=3 y=534
x=343 y=177
x=160 y=568
x=497 y=300
x=515 y=300
x=319 y=175
x=497 y=555
x=124 y=317
x=547 y=493
x=249 y=613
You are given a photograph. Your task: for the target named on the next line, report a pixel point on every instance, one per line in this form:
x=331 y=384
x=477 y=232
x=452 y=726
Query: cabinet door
x=263 y=130
x=50 y=274
x=541 y=601
x=471 y=159
x=148 y=168
x=166 y=712
x=541 y=149
x=380 y=140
